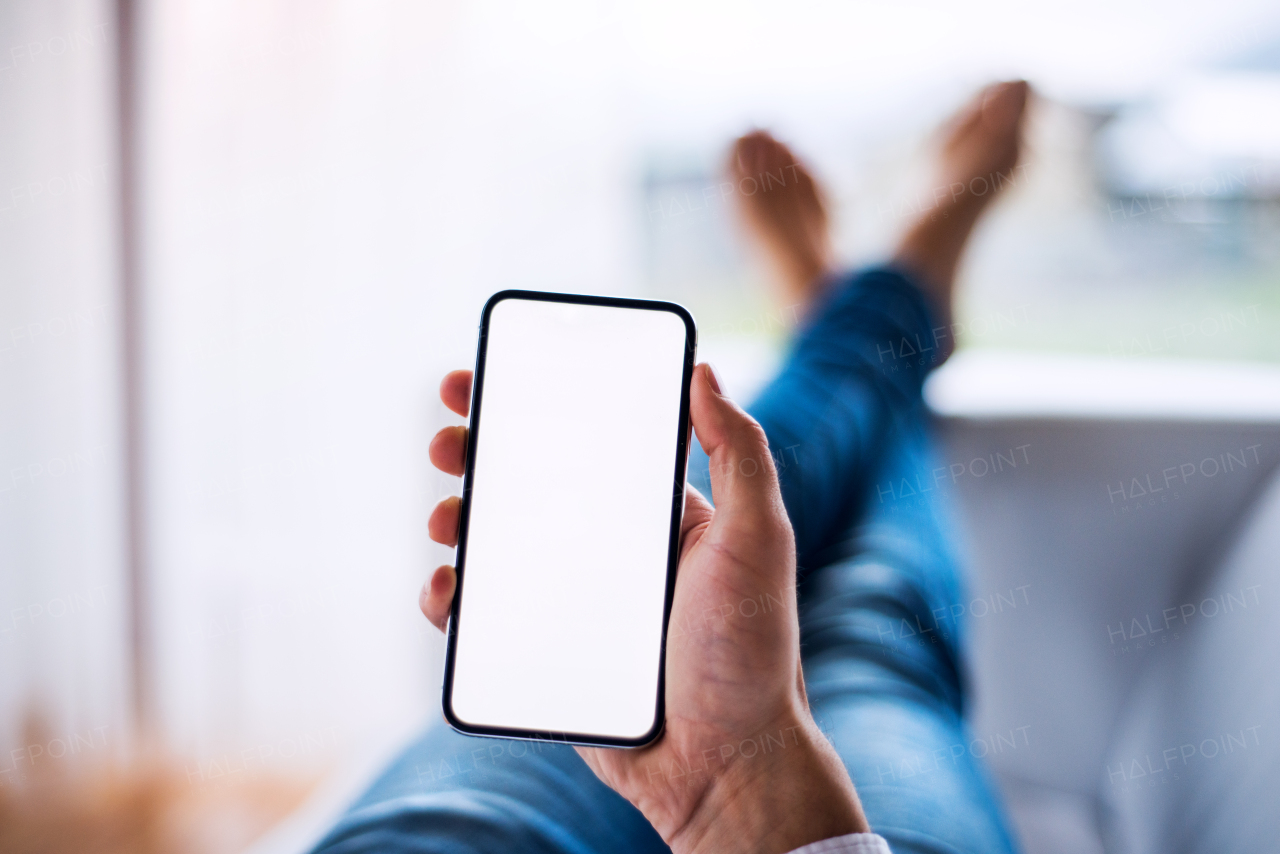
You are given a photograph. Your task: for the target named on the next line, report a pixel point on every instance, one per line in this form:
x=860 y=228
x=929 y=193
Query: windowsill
x=1003 y=384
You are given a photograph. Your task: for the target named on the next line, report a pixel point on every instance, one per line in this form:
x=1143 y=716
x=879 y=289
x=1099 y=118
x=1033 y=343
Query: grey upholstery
x=1102 y=527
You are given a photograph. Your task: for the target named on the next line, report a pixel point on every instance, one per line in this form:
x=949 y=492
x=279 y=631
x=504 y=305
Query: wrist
x=776 y=800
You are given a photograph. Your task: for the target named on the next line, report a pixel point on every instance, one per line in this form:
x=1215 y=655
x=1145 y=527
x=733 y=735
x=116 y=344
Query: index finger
x=455 y=391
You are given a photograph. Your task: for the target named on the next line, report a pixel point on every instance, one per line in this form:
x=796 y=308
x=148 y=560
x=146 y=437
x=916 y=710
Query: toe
x=758 y=151
x=1003 y=103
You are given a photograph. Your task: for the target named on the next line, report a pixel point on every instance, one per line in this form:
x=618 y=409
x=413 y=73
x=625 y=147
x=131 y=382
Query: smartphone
x=570 y=523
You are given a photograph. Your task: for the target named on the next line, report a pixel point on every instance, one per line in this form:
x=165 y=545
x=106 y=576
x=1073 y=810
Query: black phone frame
x=673 y=548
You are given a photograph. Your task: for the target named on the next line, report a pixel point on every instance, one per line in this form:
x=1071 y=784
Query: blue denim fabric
x=883 y=656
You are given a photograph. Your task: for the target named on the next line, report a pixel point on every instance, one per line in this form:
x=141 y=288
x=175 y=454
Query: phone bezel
x=673 y=548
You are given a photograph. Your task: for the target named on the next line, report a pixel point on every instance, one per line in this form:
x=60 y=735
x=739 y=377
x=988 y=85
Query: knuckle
x=754 y=440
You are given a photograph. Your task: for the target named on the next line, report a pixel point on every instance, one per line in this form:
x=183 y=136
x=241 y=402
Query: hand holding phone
x=741 y=765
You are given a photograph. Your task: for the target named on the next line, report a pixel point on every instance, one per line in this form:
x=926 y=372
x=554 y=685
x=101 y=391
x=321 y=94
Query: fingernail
x=714 y=379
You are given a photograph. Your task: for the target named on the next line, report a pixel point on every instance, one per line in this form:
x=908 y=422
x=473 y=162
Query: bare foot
x=979 y=157
x=785 y=213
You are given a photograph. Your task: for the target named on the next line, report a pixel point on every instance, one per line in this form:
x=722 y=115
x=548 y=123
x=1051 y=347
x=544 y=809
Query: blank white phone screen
x=564 y=578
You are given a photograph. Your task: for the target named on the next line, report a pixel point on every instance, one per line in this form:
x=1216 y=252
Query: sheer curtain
x=328 y=192
x=331 y=192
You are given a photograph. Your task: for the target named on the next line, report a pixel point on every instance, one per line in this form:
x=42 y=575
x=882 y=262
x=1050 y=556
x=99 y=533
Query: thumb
x=744 y=483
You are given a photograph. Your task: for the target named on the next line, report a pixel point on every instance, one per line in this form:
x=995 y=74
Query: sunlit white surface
x=992 y=384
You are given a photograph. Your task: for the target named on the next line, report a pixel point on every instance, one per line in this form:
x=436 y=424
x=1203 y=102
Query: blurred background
x=240 y=242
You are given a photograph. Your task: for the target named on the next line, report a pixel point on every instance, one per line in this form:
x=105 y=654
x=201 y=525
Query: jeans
x=882 y=651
